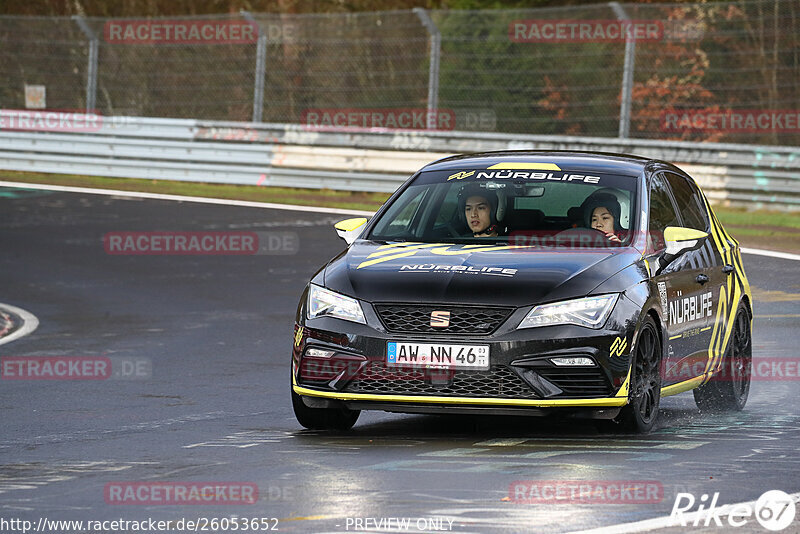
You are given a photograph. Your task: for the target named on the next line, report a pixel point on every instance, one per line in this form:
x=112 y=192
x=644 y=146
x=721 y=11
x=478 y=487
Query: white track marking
x=658 y=523
x=29 y=323
x=267 y=205
x=771 y=253
x=182 y=198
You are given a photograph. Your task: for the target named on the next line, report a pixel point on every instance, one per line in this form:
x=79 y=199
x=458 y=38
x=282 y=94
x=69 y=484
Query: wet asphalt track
x=218 y=332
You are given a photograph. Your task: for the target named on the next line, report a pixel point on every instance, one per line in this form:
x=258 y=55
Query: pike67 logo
x=774 y=510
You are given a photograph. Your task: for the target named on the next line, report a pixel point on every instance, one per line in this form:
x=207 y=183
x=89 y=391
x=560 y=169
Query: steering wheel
x=579 y=230
x=452 y=229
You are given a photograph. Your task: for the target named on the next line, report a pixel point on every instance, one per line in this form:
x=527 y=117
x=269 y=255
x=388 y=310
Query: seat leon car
x=540 y=283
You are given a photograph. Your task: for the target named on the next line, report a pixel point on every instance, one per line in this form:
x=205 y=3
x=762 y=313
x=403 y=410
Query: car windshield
x=516 y=207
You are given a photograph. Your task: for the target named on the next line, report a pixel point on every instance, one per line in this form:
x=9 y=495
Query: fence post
x=627 y=75
x=433 y=70
x=91 y=75
x=261 y=67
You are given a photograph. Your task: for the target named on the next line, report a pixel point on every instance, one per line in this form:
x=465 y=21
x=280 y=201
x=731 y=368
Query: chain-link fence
x=726 y=72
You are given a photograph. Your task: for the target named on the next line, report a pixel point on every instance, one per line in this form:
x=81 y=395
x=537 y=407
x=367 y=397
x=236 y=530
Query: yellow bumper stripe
x=462 y=400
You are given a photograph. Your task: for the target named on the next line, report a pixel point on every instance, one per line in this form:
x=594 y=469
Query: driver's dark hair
x=604 y=200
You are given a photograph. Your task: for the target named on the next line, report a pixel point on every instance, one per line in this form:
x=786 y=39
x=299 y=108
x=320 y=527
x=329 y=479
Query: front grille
x=577 y=382
x=403 y=318
x=497 y=382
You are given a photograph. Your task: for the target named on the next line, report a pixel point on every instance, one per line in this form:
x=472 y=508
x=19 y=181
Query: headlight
x=325 y=303
x=590 y=312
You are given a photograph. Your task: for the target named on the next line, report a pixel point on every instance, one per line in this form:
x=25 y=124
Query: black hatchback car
x=519 y=282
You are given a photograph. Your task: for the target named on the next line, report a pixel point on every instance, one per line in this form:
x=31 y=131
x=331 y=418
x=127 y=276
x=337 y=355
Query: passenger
x=480 y=211
x=602 y=213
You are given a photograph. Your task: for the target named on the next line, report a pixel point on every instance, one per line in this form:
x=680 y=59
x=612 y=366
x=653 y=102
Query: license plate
x=437 y=355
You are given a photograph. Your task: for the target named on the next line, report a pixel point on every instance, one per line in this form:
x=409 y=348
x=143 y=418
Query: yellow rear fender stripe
x=733 y=303
x=722 y=308
x=722 y=324
x=735 y=289
x=722 y=301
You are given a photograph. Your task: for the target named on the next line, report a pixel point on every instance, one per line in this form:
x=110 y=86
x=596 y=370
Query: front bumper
x=521 y=377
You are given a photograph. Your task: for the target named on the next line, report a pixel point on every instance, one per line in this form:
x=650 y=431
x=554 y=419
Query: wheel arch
x=748 y=305
x=659 y=327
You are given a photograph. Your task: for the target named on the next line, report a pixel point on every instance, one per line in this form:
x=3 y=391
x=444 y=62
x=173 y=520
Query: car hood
x=470 y=274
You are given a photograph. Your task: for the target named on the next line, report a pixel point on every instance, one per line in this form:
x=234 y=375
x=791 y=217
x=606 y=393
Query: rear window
x=688 y=199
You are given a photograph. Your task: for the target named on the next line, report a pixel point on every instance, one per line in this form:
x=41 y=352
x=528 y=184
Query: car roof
x=565 y=159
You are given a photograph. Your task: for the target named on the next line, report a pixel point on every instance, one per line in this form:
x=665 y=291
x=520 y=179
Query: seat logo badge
x=619 y=346
x=440 y=319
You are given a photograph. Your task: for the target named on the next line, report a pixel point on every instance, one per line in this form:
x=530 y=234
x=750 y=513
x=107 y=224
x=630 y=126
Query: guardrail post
x=627 y=75
x=433 y=70
x=91 y=75
x=261 y=67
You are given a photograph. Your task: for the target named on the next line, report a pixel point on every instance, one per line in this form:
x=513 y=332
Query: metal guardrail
x=296 y=156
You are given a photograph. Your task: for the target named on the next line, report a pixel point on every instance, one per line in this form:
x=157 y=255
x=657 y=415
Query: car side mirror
x=350 y=229
x=680 y=240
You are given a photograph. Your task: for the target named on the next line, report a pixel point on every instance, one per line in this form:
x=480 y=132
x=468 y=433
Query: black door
x=705 y=260
x=684 y=287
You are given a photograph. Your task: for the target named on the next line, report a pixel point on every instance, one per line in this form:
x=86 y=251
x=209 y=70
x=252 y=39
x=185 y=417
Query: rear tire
x=340 y=418
x=727 y=391
x=640 y=414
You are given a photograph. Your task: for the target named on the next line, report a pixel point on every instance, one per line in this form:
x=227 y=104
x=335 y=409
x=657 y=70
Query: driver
x=479 y=207
x=602 y=213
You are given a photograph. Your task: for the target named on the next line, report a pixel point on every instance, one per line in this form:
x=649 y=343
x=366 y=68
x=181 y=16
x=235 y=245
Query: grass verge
x=757 y=229
x=282 y=195
x=772 y=230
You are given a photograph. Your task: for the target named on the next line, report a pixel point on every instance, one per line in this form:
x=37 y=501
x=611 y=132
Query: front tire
x=339 y=418
x=727 y=391
x=644 y=397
